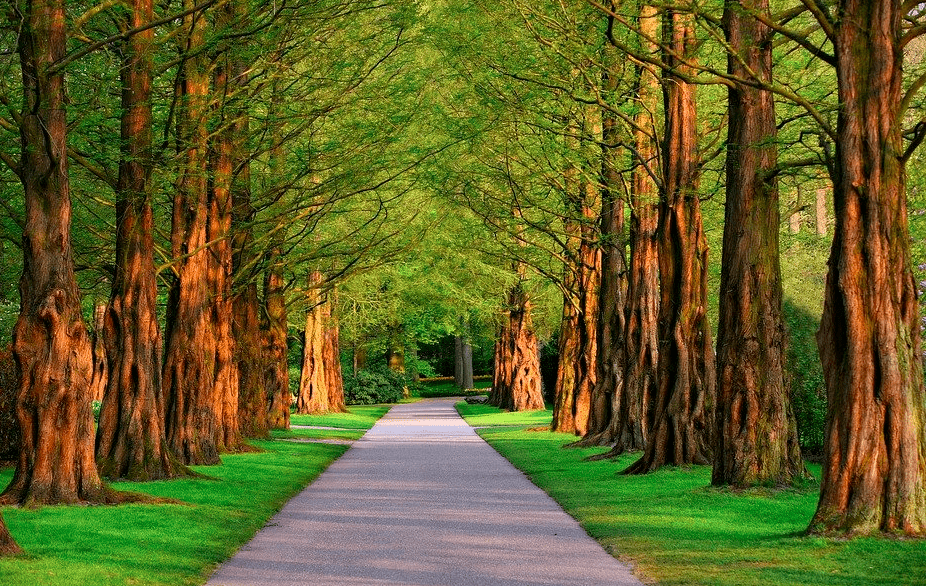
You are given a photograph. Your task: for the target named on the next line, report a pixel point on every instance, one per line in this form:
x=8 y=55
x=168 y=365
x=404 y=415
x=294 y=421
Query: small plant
x=374 y=386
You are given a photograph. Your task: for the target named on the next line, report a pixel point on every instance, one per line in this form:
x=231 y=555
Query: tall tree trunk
x=8 y=545
x=756 y=434
x=518 y=358
x=684 y=406
x=131 y=442
x=100 y=362
x=501 y=364
x=331 y=358
x=193 y=424
x=634 y=333
x=313 y=390
x=51 y=346
x=223 y=157
x=458 y=361
x=874 y=473
x=467 y=380
x=249 y=355
x=275 y=329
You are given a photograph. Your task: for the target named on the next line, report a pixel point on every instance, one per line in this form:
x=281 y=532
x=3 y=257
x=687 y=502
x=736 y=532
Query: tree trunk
x=467 y=365
x=331 y=358
x=100 y=362
x=249 y=355
x=756 y=434
x=501 y=365
x=193 y=423
x=874 y=473
x=313 y=390
x=131 y=441
x=276 y=355
x=51 y=346
x=684 y=405
x=518 y=359
x=8 y=545
x=458 y=361
x=820 y=211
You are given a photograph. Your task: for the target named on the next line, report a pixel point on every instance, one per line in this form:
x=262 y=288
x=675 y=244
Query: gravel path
x=421 y=500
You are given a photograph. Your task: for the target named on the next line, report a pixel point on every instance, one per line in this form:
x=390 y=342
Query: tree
x=874 y=474
x=516 y=383
x=756 y=434
x=193 y=424
x=50 y=341
x=313 y=384
x=131 y=441
x=683 y=426
x=8 y=545
x=274 y=327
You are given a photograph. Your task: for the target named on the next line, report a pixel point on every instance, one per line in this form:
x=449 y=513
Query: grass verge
x=486 y=416
x=318 y=434
x=678 y=530
x=357 y=417
x=161 y=545
x=437 y=389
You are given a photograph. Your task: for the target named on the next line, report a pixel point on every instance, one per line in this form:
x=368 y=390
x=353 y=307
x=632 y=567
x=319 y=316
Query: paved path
x=421 y=500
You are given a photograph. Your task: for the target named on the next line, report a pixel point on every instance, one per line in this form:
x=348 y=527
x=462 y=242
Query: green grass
x=431 y=390
x=678 y=530
x=358 y=417
x=161 y=544
x=486 y=416
x=318 y=434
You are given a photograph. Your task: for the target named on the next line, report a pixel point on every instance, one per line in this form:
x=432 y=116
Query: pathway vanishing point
x=421 y=500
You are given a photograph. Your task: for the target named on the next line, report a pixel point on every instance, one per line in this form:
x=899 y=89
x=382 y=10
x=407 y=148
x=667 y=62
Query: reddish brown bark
x=518 y=360
x=100 y=362
x=331 y=358
x=684 y=404
x=50 y=342
x=276 y=373
x=874 y=474
x=8 y=545
x=313 y=389
x=193 y=424
x=131 y=441
x=756 y=434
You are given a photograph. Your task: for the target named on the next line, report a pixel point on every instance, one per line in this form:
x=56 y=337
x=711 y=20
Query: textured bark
x=684 y=403
x=756 y=433
x=516 y=384
x=313 y=390
x=331 y=358
x=874 y=472
x=131 y=441
x=276 y=373
x=50 y=341
x=100 y=362
x=458 y=361
x=190 y=358
x=8 y=545
x=467 y=381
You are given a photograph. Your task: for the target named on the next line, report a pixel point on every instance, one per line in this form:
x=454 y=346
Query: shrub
x=373 y=386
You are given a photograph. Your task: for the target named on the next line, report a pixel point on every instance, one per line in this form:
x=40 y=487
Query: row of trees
x=258 y=183
x=608 y=122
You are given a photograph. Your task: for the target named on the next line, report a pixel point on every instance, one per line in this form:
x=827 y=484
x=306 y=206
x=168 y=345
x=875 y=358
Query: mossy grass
x=357 y=417
x=676 y=529
x=177 y=544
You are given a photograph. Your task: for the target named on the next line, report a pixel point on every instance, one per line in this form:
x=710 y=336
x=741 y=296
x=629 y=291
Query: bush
x=373 y=386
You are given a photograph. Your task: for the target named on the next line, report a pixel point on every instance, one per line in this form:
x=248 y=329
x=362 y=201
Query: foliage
x=162 y=544
x=431 y=390
x=375 y=386
x=676 y=530
x=10 y=434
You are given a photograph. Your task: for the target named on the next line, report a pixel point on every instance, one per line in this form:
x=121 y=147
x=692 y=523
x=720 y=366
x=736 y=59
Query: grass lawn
x=431 y=390
x=173 y=544
x=677 y=530
x=486 y=416
x=357 y=417
x=318 y=434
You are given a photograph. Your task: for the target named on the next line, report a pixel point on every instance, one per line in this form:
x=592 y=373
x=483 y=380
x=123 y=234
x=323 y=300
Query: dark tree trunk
x=756 y=434
x=51 y=346
x=276 y=373
x=458 y=361
x=313 y=390
x=8 y=545
x=131 y=441
x=684 y=405
x=467 y=382
x=193 y=424
x=517 y=359
x=874 y=473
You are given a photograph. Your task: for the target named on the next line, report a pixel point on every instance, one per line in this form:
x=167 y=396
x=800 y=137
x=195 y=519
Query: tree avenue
x=354 y=186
